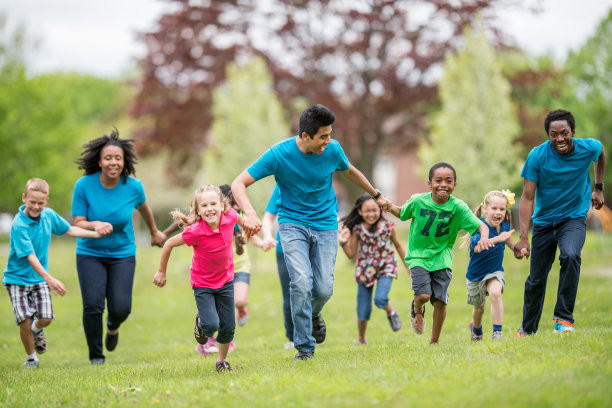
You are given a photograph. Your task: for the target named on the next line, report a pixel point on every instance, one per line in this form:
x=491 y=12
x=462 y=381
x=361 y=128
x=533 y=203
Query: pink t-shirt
x=212 y=265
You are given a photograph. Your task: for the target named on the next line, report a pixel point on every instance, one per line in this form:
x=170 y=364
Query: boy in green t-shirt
x=437 y=217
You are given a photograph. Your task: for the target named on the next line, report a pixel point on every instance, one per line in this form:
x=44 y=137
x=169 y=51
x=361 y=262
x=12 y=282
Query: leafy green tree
x=248 y=118
x=590 y=78
x=44 y=120
x=476 y=128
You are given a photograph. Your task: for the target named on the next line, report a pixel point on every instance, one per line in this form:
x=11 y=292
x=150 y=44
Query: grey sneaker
x=394 y=321
x=318 y=329
x=303 y=355
x=497 y=335
x=97 y=361
x=30 y=364
x=40 y=341
x=198 y=333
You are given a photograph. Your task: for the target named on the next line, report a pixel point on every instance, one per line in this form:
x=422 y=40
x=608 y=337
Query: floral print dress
x=376 y=256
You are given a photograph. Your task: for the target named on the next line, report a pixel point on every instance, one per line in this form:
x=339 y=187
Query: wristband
x=599 y=186
x=378 y=194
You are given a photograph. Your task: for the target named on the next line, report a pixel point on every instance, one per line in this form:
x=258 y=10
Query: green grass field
x=155 y=362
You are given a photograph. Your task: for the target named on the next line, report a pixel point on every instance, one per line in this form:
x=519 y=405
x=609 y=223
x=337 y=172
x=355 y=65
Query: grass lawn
x=155 y=362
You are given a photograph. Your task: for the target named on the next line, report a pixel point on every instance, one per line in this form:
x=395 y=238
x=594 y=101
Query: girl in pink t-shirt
x=209 y=229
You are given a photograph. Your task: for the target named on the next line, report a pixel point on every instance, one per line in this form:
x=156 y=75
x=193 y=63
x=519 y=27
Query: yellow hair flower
x=509 y=196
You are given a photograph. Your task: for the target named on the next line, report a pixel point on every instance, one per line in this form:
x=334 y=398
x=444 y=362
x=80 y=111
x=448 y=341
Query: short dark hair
x=226 y=190
x=313 y=118
x=90 y=157
x=441 y=165
x=559 y=114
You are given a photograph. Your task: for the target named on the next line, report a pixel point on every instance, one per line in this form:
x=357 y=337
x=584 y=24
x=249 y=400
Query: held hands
x=522 y=249
x=267 y=244
x=56 y=286
x=483 y=244
x=160 y=279
x=344 y=234
x=103 y=228
x=597 y=199
x=384 y=203
x=158 y=238
x=252 y=224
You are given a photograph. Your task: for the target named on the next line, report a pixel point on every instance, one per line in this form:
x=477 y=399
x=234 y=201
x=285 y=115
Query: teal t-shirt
x=307 y=194
x=433 y=230
x=90 y=199
x=29 y=236
x=563 y=184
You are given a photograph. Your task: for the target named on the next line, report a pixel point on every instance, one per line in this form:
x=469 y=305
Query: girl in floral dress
x=366 y=233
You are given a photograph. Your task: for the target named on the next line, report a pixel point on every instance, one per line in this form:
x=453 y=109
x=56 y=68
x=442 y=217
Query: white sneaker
x=210 y=346
x=289 y=345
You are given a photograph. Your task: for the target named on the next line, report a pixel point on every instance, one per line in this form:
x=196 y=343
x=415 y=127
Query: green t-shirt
x=433 y=230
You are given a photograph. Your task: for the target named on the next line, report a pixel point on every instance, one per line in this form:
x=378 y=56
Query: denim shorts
x=434 y=283
x=242 y=277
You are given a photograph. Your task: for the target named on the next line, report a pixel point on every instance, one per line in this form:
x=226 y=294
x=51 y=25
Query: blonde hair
x=505 y=194
x=36 y=184
x=192 y=216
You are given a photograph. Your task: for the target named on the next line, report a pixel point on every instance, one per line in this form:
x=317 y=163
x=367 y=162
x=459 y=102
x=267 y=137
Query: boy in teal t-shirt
x=26 y=276
x=437 y=217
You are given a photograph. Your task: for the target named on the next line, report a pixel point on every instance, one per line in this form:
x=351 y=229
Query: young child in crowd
x=26 y=277
x=485 y=273
x=367 y=234
x=209 y=229
x=436 y=217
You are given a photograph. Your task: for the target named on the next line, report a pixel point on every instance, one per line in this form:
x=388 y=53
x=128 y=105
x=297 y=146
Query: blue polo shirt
x=29 y=236
x=307 y=194
x=488 y=261
x=90 y=199
x=563 y=184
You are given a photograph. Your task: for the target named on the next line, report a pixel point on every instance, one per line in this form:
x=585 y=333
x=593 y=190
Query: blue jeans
x=216 y=311
x=310 y=256
x=381 y=297
x=283 y=276
x=101 y=279
x=569 y=235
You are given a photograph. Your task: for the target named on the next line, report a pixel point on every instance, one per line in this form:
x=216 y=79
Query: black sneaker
x=394 y=321
x=111 y=340
x=303 y=355
x=198 y=333
x=223 y=366
x=318 y=328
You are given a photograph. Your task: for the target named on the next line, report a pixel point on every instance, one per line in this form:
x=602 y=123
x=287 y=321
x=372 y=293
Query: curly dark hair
x=353 y=218
x=559 y=114
x=90 y=156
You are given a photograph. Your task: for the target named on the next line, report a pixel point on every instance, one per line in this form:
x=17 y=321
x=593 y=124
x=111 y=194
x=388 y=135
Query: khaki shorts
x=477 y=291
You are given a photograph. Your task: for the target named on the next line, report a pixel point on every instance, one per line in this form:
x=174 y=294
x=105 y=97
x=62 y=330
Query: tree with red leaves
x=373 y=63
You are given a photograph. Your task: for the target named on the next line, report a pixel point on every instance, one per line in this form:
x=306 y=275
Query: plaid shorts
x=30 y=300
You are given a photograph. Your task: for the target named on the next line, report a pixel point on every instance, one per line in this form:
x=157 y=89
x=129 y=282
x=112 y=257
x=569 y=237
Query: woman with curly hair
x=103 y=200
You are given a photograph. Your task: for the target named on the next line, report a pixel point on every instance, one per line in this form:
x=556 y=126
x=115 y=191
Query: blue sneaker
x=563 y=326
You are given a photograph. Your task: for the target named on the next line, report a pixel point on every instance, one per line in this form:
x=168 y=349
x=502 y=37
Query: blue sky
x=98 y=37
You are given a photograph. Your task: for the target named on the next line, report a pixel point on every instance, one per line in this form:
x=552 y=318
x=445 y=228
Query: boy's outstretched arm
x=357 y=178
x=160 y=277
x=56 y=286
x=395 y=210
x=79 y=232
x=252 y=224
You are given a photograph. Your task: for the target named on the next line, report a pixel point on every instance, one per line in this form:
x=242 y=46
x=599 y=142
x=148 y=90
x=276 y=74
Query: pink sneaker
x=232 y=346
x=210 y=346
x=243 y=316
x=200 y=350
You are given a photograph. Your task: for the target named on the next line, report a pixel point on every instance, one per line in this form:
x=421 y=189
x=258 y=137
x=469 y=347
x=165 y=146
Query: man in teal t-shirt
x=303 y=167
x=557 y=178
